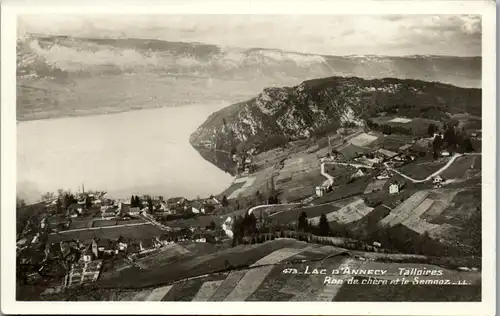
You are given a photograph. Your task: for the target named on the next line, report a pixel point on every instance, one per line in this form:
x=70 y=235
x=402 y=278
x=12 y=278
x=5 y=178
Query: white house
x=87 y=256
x=437 y=181
x=320 y=191
x=122 y=246
x=358 y=174
x=394 y=188
x=445 y=154
x=383 y=175
x=377 y=244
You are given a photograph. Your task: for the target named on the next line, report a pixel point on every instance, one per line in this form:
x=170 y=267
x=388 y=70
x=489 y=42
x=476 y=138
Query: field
x=166 y=255
x=420 y=170
x=350 y=151
x=392 y=142
x=239 y=256
x=376 y=185
x=405 y=209
x=138 y=232
x=233 y=188
x=363 y=140
x=354 y=188
x=269 y=283
x=293 y=215
x=400 y=120
x=77 y=224
x=365 y=226
x=347 y=214
x=418 y=126
x=442 y=199
x=463 y=168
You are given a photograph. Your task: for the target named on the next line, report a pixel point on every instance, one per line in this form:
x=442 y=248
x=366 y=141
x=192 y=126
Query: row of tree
x=389 y=129
x=450 y=140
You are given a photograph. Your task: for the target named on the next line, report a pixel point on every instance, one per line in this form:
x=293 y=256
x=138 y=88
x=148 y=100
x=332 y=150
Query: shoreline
x=86 y=113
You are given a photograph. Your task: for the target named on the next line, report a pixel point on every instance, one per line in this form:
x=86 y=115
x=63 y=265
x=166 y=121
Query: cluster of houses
x=100 y=248
x=375 y=158
x=111 y=209
x=244 y=163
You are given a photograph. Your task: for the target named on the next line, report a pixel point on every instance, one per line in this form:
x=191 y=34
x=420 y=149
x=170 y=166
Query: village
x=75 y=240
x=82 y=237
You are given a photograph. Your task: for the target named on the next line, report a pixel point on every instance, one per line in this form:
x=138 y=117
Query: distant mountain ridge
x=64 y=75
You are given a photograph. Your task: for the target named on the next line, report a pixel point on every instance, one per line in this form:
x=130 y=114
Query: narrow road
x=329 y=177
x=250 y=211
x=448 y=164
x=326 y=175
x=152 y=221
x=97 y=228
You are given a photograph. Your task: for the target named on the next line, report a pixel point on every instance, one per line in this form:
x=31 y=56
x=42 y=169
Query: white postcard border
x=10 y=9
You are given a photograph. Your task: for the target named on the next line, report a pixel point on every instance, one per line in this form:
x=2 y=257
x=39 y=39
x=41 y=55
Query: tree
x=303 y=222
x=65 y=202
x=88 y=203
x=150 y=204
x=450 y=137
x=225 y=202
x=437 y=143
x=323 y=226
x=467 y=145
x=20 y=202
x=211 y=226
x=431 y=129
x=132 y=201
x=435 y=155
x=58 y=205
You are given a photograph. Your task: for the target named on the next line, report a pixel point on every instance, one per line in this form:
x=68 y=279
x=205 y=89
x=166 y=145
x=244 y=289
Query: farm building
x=320 y=191
x=106 y=246
x=437 y=181
x=358 y=174
x=385 y=154
x=134 y=211
x=87 y=255
x=383 y=175
x=395 y=187
x=75 y=208
x=176 y=201
x=351 y=151
x=404 y=148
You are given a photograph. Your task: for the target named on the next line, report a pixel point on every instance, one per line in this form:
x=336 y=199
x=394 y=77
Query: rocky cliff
x=319 y=106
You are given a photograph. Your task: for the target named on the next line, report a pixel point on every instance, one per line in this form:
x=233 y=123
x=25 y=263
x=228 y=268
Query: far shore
x=96 y=112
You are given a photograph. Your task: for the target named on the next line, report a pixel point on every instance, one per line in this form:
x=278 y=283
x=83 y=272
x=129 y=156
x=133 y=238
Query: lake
x=136 y=152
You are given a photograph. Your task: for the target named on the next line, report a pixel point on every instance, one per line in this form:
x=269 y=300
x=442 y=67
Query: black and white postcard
x=232 y=155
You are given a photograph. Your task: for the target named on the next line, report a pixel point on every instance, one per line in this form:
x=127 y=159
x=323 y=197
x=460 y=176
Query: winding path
x=448 y=164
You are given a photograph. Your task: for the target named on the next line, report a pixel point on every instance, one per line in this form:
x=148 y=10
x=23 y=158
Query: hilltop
x=321 y=106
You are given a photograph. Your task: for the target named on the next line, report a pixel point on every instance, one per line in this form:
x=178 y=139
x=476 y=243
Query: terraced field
x=264 y=279
x=347 y=214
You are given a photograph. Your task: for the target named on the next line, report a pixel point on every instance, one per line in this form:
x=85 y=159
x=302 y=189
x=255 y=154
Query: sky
x=395 y=35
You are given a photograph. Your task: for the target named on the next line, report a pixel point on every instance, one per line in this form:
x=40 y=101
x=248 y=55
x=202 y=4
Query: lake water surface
x=138 y=152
